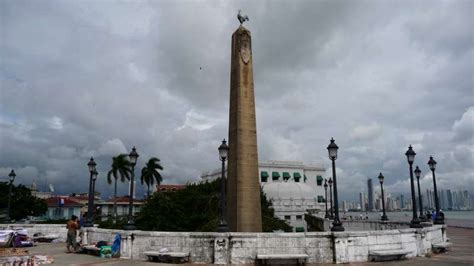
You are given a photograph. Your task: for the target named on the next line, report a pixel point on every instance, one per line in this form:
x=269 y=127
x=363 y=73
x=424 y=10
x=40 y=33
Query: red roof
x=63 y=202
x=80 y=198
x=124 y=199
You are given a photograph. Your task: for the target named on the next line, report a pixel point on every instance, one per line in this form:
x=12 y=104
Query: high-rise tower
x=371 y=195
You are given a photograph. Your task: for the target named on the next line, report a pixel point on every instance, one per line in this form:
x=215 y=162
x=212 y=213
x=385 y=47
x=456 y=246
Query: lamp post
x=415 y=222
x=12 y=176
x=223 y=151
x=326 y=197
x=133 y=156
x=439 y=218
x=384 y=215
x=420 y=200
x=90 y=203
x=331 y=214
x=332 y=149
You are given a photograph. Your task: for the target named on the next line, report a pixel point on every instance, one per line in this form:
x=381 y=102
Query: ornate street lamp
x=133 y=156
x=326 y=197
x=12 y=176
x=420 y=199
x=415 y=222
x=439 y=217
x=332 y=149
x=94 y=178
x=331 y=214
x=223 y=152
x=384 y=215
x=90 y=204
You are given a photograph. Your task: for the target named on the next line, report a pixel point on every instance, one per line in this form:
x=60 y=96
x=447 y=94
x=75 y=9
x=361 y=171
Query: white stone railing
x=46 y=229
x=242 y=248
x=369 y=225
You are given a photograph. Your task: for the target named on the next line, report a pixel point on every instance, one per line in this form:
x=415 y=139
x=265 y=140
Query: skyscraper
x=466 y=199
x=450 y=199
x=429 y=199
x=371 y=195
x=362 y=201
x=442 y=199
x=402 y=202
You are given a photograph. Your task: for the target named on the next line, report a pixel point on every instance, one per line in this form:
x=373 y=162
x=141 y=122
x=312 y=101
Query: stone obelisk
x=243 y=188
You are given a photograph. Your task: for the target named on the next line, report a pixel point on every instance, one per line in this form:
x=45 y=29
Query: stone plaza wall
x=235 y=248
x=46 y=229
x=368 y=225
x=242 y=248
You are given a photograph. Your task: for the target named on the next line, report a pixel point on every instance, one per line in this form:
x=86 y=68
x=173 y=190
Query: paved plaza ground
x=461 y=253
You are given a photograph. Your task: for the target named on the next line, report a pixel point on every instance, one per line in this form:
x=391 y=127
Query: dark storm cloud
x=94 y=78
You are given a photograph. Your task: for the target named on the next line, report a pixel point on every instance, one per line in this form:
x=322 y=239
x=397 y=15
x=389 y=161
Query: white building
x=106 y=207
x=293 y=188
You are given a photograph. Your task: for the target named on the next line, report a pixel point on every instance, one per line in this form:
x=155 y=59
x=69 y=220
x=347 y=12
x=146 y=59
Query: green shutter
x=263 y=176
x=319 y=180
x=275 y=176
x=320 y=199
x=297 y=177
x=286 y=176
x=299 y=229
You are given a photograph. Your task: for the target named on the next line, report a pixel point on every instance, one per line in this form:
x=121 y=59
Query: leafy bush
x=109 y=224
x=195 y=208
x=23 y=204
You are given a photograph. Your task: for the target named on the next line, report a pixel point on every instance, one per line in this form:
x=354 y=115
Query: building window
x=320 y=199
x=287 y=217
x=263 y=176
x=286 y=176
x=319 y=180
x=58 y=213
x=70 y=212
x=275 y=176
x=299 y=217
x=297 y=177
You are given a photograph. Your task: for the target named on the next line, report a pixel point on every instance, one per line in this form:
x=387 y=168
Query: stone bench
x=384 y=255
x=168 y=257
x=262 y=259
x=440 y=247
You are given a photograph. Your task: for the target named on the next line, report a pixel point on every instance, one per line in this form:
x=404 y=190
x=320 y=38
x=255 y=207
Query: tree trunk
x=148 y=192
x=115 y=202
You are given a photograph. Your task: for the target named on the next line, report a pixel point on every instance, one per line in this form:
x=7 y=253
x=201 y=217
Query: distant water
x=452 y=218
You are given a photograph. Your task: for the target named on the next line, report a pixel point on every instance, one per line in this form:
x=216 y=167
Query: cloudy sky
x=94 y=78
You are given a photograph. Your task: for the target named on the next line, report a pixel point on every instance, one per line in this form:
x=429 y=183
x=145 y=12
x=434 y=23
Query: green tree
x=195 y=208
x=23 y=204
x=150 y=173
x=121 y=168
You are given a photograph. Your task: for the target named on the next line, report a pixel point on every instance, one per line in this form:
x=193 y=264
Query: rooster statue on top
x=241 y=18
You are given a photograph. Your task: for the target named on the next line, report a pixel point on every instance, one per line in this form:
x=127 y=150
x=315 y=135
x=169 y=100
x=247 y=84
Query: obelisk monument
x=243 y=188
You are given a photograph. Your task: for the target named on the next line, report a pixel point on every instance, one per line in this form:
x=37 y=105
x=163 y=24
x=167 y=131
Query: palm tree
x=150 y=173
x=121 y=168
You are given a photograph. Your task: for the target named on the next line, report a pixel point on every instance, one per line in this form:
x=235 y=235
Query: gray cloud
x=94 y=78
